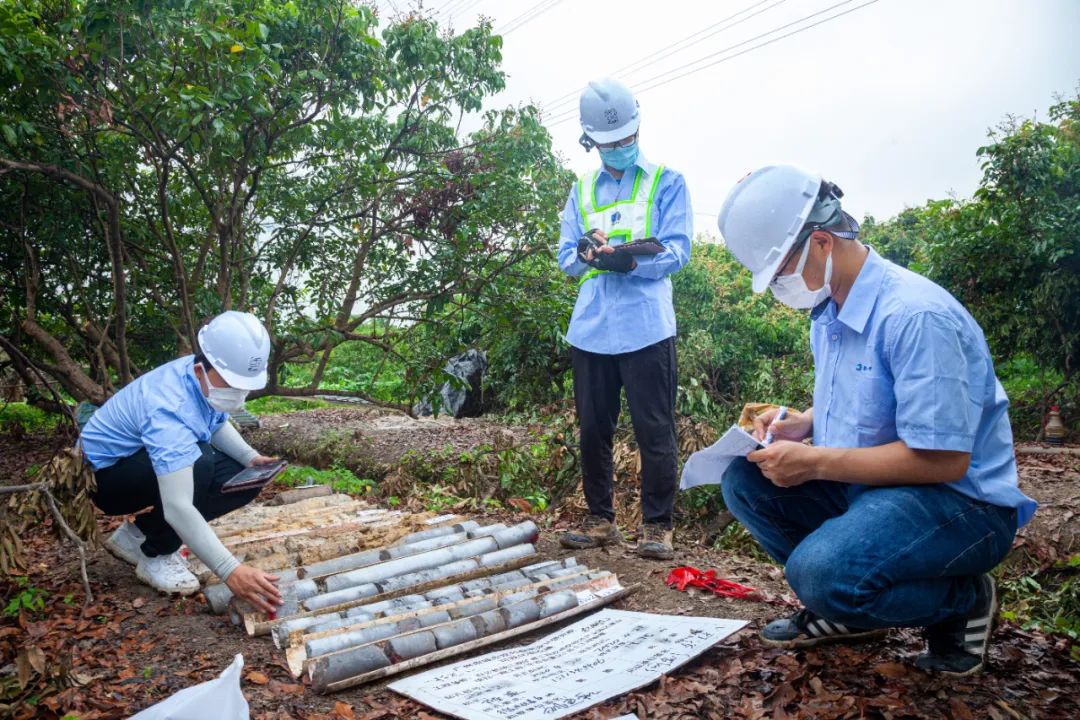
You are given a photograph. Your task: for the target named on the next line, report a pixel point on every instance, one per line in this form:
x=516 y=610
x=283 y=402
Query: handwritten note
x=706 y=467
x=603 y=656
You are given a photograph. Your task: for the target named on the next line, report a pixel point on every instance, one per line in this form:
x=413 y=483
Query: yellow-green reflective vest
x=623 y=220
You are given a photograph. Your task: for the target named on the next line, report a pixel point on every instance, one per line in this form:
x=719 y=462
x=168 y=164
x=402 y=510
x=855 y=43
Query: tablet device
x=648 y=246
x=253 y=477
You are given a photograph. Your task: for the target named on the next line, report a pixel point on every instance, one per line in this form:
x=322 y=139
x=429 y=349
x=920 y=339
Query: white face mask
x=226 y=399
x=792 y=290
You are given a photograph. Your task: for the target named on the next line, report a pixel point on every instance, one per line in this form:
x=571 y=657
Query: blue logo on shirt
x=859 y=367
x=615 y=216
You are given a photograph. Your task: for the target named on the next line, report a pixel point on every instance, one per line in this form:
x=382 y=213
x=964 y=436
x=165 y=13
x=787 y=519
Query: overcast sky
x=889 y=101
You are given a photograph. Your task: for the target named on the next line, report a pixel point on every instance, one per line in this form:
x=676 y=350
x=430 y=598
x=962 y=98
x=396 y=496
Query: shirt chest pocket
x=876 y=405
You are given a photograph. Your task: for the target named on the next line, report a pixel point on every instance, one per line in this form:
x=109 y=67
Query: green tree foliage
x=734 y=346
x=1011 y=255
x=162 y=162
x=898 y=239
x=520 y=322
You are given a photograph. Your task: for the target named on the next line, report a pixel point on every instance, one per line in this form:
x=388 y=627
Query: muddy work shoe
x=167 y=573
x=805 y=629
x=655 y=542
x=126 y=543
x=594 y=532
x=958 y=647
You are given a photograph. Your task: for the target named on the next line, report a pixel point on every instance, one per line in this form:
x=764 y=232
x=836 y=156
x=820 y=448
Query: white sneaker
x=167 y=573
x=126 y=543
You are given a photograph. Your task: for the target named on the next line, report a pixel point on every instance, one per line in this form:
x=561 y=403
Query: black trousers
x=649 y=377
x=131 y=485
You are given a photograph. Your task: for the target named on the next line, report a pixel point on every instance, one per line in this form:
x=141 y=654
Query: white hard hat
x=238 y=347
x=762 y=216
x=609 y=111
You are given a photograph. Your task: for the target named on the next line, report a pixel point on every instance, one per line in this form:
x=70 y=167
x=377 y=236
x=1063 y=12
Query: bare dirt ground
x=133 y=647
x=379 y=436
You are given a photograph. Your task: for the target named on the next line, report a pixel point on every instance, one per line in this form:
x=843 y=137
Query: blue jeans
x=905 y=556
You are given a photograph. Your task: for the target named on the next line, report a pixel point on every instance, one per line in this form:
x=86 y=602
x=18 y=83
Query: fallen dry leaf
x=36 y=657
x=891 y=670
x=521 y=504
x=343 y=711
x=280 y=688
x=257 y=677
x=959 y=710
x=22 y=670
x=1005 y=706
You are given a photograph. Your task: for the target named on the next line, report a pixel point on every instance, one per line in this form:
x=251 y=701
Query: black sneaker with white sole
x=958 y=646
x=805 y=629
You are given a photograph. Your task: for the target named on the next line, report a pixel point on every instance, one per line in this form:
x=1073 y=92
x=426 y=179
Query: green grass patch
x=275 y=405
x=737 y=539
x=339 y=478
x=28 y=417
x=25 y=598
x=1048 y=601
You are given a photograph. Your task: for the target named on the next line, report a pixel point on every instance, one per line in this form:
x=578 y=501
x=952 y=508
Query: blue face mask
x=620 y=158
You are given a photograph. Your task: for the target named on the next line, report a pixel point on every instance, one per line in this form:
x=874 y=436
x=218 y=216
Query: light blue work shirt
x=163 y=411
x=903 y=360
x=622 y=312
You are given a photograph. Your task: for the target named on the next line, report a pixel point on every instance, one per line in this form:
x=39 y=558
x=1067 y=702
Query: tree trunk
x=69 y=373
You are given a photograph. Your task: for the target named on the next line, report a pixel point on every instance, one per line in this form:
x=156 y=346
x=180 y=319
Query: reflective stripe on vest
x=623 y=220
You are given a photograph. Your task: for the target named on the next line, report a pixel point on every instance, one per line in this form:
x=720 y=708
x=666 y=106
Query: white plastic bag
x=220 y=699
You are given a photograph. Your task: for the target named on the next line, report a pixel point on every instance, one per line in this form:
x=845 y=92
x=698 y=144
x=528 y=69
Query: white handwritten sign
x=603 y=656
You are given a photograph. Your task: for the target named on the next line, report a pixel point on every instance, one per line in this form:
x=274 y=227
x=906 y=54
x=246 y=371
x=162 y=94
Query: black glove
x=587 y=242
x=620 y=262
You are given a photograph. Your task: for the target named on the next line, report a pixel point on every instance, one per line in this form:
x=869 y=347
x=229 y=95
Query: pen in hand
x=780 y=415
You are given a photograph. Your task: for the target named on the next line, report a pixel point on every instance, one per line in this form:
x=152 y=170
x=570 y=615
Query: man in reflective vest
x=623 y=327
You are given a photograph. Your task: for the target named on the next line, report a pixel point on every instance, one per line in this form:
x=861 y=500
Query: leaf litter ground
x=134 y=647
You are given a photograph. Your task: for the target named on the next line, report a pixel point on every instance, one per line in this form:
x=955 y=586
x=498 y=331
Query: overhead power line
x=447 y=7
x=670 y=76
x=469 y=5
x=524 y=14
x=528 y=16
x=668 y=50
x=560 y=110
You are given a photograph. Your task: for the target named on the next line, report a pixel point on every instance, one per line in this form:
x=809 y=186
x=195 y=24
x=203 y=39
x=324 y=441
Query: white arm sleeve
x=177 y=493
x=228 y=440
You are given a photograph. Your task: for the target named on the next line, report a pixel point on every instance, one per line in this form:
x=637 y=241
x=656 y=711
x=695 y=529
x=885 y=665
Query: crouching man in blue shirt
x=908 y=496
x=164 y=443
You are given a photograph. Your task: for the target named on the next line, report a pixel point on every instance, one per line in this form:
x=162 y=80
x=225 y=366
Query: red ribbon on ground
x=682 y=577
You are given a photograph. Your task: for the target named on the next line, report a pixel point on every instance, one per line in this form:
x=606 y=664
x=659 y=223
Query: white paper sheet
x=600 y=657
x=706 y=467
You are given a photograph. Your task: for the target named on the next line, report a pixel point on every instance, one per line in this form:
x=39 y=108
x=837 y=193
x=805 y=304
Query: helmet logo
x=611 y=115
x=254 y=363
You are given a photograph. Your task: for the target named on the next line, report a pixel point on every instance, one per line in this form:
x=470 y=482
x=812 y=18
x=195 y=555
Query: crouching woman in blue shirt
x=164 y=442
x=908 y=496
